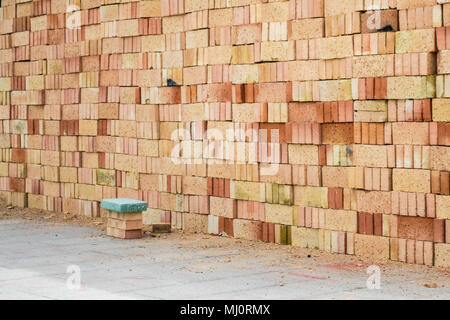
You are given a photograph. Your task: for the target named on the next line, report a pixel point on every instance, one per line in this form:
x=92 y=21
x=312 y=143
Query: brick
x=370 y=247
x=252 y=191
x=311 y=196
x=153 y=43
x=442 y=255
x=150 y=8
x=410 y=133
x=344 y=177
x=197 y=39
x=334 y=48
x=410 y=87
x=246 y=34
x=370 y=66
x=123 y=234
x=411 y=180
x=303 y=70
x=370 y=156
x=335 y=90
x=109 y=13
x=371 y=23
x=341 y=220
x=194 y=185
x=303 y=154
x=443 y=62
x=441 y=110
x=249 y=112
x=277 y=51
x=306 y=29
x=174 y=24
x=373 y=201
x=337 y=133
x=370 y=111
x=248 y=230
x=279 y=214
x=148 y=78
x=272 y=92
x=127 y=225
x=443 y=207
x=439 y=158
x=223 y=207
x=220 y=17
x=415 y=228
x=305 y=237
x=415 y=41
x=272 y=12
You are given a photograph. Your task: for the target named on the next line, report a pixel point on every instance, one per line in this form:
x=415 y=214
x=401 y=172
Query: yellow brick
x=5 y=84
x=247 y=73
x=148 y=148
x=195 y=5
x=150 y=8
x=441 y=110
x=39 y=23
x=195 y=185
x=127 y=28
x=280 y=214
x=341 y=220
x=334 y=8
x=411 y=180
x=273 y=12
x=88 y=127
x=303 y=154
x=174 y=24
x=411 y=87
x=220 y=17
x=197 y=39
x=110 y=13
x=126 y=162
x=442 y=255
x=336 y=47
x=86 y=192
x=311 y=196
x=305 y=237
x=153 y=43
x=68 y=174
x=372 y=247
x=35 y=83
x=370 y=66
x=306 y=29
x=277 y=50
x=422 y=40
x=335 y=90
x=253 y=191
x=443 y=207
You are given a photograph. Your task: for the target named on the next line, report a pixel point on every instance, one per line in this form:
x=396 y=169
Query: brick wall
x=317 y=123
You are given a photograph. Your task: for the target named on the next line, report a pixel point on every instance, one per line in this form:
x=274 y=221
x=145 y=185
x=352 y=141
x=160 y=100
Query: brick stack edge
x=347 y=99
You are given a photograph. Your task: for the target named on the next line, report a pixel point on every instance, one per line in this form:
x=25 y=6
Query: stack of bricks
x=316 y=123
x=124 y=217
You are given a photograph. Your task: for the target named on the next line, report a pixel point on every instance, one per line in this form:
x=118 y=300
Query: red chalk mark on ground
x=306 y=276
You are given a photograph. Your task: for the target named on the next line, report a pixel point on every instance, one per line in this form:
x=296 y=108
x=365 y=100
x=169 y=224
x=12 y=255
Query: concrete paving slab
x=35 y=257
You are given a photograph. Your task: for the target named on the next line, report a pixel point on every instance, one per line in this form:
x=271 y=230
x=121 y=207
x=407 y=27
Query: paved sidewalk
x=35 y=257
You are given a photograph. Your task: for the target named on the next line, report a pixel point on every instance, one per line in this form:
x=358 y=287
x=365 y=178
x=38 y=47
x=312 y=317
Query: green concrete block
x=124 y=205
